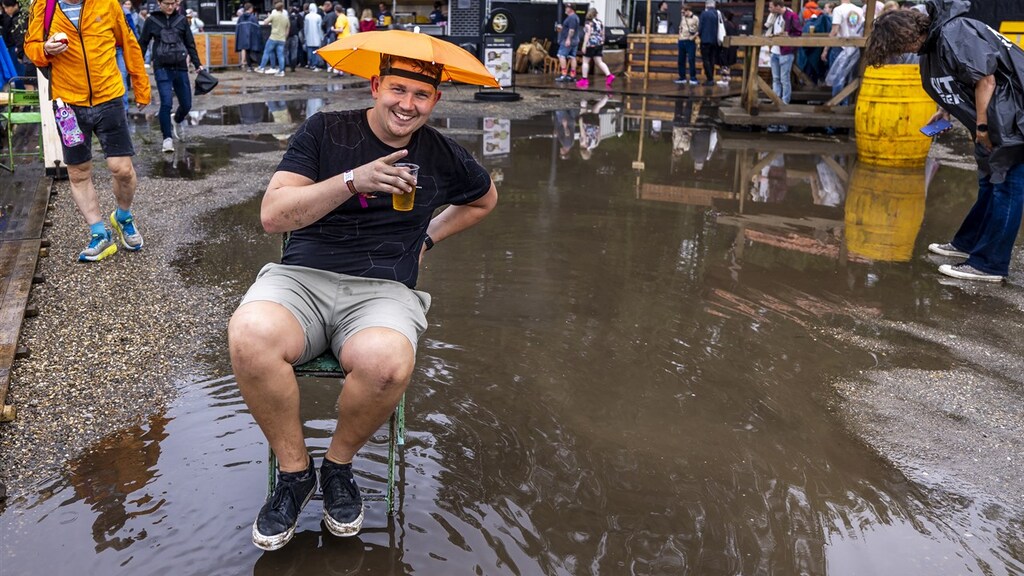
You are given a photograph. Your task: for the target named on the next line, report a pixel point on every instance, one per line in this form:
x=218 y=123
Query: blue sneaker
x=130 y=237
x=100 y=246
x=343 y=505
x=275 y=524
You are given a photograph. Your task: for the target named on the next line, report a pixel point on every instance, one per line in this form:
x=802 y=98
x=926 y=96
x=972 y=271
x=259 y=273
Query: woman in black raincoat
x=976 y=75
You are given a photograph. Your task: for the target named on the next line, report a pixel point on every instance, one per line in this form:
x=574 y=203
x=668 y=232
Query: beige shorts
x=332 y=307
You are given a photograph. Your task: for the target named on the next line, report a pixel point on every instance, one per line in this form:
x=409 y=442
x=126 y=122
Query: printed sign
x=498 y=55
x=497 y=136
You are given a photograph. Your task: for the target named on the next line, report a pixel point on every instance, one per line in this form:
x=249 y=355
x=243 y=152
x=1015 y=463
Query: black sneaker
x=343 y=506
x=275 y=525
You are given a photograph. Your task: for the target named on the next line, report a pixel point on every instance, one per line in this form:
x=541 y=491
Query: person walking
x=688 y=27
x=274 y=49
x=84 y=76
x=314 y=37
x=707 y=29
x=248 y=38
x=296 y=21
x=291 y=314
x=977 y=75
x=568 y=40
x=168 y=38
x=593 y=49
x=782 y=22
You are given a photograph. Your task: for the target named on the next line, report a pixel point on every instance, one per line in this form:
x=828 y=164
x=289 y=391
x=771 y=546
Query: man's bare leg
x=264 y=338
x=125 y=181
x=83 y=192
x=378 y=365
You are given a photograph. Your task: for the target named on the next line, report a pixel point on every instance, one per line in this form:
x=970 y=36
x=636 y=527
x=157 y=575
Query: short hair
x=778 y=2
x=894 y=32
x=10 y=3
x=278 y=5
x=339 y=8
x=422 y=71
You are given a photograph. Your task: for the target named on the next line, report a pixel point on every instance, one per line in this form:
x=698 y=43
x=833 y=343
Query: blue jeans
x=312 y=58
x=166 y=81
x=687 y=55
x=275 y=47
x=782 y=75
x=991 y=226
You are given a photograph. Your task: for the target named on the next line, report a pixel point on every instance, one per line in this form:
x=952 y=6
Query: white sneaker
x=260 y=70
x=168 y=145
x=270 y=71
x=965 y=272
x=279 y=74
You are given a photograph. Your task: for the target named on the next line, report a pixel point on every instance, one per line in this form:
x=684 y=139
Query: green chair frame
x=14 y=114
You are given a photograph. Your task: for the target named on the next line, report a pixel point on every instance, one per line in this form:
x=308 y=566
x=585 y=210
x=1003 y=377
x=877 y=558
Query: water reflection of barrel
x=891 y=109
x=884 y=211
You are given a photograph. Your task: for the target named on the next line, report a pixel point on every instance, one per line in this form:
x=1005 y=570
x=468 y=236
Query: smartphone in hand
x=937 y=127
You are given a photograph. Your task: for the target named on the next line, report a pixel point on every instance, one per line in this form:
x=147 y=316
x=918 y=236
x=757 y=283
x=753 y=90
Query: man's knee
x=121 y=167
x=385 y=357
x=264 y=331
x=80 y=173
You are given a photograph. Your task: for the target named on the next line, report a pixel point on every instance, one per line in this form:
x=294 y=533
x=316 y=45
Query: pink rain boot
x=583 y=83
x=608 y=81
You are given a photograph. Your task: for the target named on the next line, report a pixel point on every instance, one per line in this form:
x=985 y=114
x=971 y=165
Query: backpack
x=169 y=47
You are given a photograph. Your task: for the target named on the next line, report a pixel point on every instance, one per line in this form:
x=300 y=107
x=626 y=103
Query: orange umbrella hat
x=360 y=54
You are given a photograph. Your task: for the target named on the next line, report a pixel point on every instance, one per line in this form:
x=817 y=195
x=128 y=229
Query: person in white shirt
x=847 y=22
x=194 y=22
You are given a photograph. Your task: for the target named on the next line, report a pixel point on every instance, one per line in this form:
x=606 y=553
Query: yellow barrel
x=884 y=211
x=891 y=109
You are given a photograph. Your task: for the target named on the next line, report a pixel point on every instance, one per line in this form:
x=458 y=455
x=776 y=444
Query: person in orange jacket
x=80 y=50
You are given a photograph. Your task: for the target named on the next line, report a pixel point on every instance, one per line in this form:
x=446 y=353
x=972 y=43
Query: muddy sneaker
x=126 y=231
x=947 y=249
x=343 y=506
x=965 y=272
x=277 y=519
x=100 y=246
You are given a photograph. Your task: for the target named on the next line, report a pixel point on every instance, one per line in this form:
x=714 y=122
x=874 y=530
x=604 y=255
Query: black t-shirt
x=376 y=241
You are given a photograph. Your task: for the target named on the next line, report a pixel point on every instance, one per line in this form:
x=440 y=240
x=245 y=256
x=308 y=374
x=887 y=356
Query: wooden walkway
x=24 y=197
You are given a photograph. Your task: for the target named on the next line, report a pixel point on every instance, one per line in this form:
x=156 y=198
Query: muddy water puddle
x=627 y=372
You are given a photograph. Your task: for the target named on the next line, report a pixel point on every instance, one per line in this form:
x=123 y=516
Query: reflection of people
x=770 y=185
x=977 y=76
x=682 y=121
x=565 y=131
x=340 y=288
x=590 y=127
x=829 y=190
x=705 y=140
x=94 y=94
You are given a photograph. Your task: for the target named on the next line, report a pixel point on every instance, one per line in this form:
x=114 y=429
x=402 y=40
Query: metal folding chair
x=326 y=366
x=21 y=107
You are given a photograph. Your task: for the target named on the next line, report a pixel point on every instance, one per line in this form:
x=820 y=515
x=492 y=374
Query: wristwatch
x=982 y=127
x=350 y=177
x=428 y=241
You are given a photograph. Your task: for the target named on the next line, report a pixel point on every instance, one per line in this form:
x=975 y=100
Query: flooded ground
x=643 y=362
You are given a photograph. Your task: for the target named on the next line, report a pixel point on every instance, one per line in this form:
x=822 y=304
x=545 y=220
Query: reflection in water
x=120 y=466
x=627 y=373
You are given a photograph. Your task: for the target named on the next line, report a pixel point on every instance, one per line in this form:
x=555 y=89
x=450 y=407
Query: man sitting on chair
x=346 y=279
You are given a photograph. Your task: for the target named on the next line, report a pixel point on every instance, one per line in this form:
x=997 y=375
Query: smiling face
x=401 y=105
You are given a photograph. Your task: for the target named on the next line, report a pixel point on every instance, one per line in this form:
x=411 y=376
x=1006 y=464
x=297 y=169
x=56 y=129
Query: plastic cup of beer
x=404 y=202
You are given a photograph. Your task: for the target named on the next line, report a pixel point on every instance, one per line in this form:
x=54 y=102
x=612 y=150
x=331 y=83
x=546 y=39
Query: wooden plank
x=844 y=93
x=726 y=141
x=770 y=92
x=793 y=115
x=17 y=266
x=23 y=205
x=797 y=41
x=682 y=194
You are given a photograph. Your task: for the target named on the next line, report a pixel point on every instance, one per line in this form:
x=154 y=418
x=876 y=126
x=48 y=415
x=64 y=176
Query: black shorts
x=592 y=51
x=109 y=122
